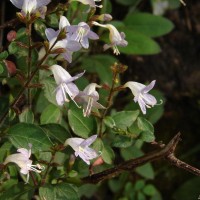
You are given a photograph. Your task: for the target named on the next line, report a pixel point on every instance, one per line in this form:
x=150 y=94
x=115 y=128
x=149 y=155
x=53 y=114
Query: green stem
x=47 y=170
x=109 y=103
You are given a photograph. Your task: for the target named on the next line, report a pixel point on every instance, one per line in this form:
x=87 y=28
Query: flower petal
x=63 y=22
x=17 y=3
x=51 y=33
x=60 y=98
x=149 y=87
x=41 y=3
x=74 y=142
x=149 y=99
x=88 y=141
x=142 y=105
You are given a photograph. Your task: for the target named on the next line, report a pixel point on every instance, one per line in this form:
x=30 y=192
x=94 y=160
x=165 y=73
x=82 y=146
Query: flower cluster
x=63 y=42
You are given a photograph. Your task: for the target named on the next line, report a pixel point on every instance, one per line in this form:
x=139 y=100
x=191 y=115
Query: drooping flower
x=22 y=159
x=81 y=33
x=116 y=38
x=65 y=86
x=31 y=6
x=82 y=149
x=91 y=3
x=89 y=97
x=67 y=44
x=141 y=95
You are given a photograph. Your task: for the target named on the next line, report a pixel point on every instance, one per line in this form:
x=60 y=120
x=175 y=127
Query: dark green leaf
x=149 y=190
x=22 y=134
x=61 y=191
x=108 y=154
x=148 y=24
x=49 y=90
x=26 y=116
x=109 y=121
x=3 y=55
x=51 y=114
x=82 y=126
x=102 y=65
x=18 y=192
x=56 y=131
x=40 y=28
x=125 y=119
x=139 y=43
x=122 y=141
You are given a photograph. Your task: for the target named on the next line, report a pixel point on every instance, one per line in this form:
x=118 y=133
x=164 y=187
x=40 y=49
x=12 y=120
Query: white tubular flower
x=23 y=161
x=31 y=6
x=116 y=38
x=89 y=97
x=91 y=3
x=140 y=92
x=82 y=149
x=65 y=86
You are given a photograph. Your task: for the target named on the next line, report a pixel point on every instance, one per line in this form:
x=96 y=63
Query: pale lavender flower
x=31 y=6
x=69 y=45
x=81 y=33
x=116 y=38
x=140 y=92
x=82 y=149
x=65 y=86
x=89 y=97
x=23 y=161
x=91 y=3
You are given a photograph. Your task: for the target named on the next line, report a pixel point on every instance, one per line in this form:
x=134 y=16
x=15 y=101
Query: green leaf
x=2 y=65
x=56 y=131
x=108 y=154
x=148 y=24
x=82 y=126
x=27 y=116
x=52 y=20
x=60 y=191
x=22 y=134
x=49 y=90
x=102 y=65
x=144 y=125
x=40 y=28
x=147 y=128
x=125 y=119
x=18 y=192
x=3 y=55
x=51 y=114
x=149 y=190
x=4 y=150
x=109 y=121
x=139 y=44
x=122 y=141
x=87 y=190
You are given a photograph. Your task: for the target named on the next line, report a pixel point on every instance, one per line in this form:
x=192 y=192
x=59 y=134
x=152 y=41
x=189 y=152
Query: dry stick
x=166 y=152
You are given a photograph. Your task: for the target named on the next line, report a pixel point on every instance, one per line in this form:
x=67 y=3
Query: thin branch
x=165 y=151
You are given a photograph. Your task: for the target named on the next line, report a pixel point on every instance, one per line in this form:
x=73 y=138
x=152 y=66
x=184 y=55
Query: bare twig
x=166 y=152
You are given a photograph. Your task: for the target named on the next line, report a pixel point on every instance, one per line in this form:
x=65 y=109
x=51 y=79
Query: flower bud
x=11 y=67
x=11 y=36
x=105 y=17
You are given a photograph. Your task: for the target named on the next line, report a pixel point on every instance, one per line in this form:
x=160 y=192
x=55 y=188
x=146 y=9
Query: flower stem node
x=119 y=68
